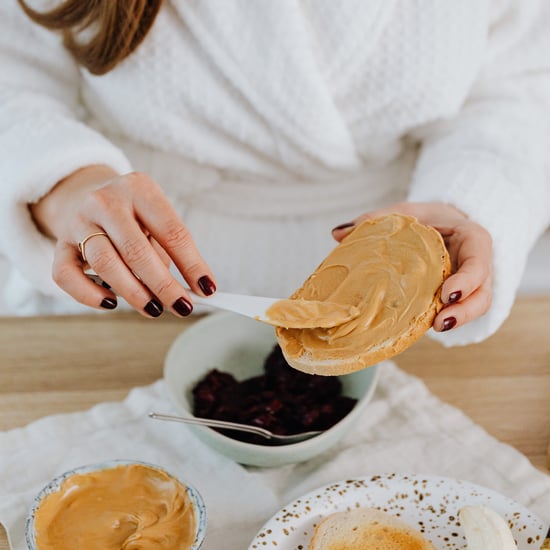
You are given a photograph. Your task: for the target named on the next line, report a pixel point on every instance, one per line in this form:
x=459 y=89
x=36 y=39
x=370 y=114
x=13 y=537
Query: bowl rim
x=55 y=484
x=237 y=445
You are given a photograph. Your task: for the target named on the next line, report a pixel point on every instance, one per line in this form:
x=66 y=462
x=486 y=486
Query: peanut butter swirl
x=128 y=507
x=300 y=313
x=391 y=269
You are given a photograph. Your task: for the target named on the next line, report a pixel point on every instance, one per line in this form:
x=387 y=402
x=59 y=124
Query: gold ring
x=82 y=244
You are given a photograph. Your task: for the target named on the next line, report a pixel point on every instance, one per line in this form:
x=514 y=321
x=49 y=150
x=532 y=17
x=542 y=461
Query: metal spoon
x=274 y=438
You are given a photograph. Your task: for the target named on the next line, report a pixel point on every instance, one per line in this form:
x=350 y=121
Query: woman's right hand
x=143 y=236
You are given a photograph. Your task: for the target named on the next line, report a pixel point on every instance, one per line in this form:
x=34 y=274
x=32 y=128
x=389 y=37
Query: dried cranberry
x=282 y=399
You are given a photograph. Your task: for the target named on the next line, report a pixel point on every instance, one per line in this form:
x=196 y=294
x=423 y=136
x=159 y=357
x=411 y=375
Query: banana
x=485 y=529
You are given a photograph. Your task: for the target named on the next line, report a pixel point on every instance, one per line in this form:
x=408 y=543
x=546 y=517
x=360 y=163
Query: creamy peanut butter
x=391 y=269
x=300 y=313
x=130 y=507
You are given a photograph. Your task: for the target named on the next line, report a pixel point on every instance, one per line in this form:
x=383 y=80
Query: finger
x=68 y=274
x=460 y=313
x=143 y=261
x=419 y=210
x=340 y=231
x=173 y=236
x=105 y=260
x=471 y=247
x=470 y=276
x=441 y=216
x=437 y=214
x=162 y=254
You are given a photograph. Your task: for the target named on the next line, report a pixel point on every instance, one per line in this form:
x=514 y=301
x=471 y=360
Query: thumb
x=340 y=231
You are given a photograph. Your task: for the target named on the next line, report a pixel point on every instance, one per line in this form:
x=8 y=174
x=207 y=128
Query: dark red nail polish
x=108 y=303
x=182 y=307
x=448 y=324
x=153 y=308
x=206 y=285
x=454 y=297
x=344 y=226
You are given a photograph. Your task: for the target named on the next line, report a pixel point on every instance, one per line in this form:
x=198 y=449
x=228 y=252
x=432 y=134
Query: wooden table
x=62 y=364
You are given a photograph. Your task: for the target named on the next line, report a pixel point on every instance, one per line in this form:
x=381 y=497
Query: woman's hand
x=467 y=292
x=143 y=236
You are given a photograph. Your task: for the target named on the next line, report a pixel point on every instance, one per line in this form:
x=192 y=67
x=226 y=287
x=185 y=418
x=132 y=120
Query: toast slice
x=392 y=269
x=366 y=529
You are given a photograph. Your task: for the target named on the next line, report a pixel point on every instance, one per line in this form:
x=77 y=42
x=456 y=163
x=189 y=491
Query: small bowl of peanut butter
x=117 y=504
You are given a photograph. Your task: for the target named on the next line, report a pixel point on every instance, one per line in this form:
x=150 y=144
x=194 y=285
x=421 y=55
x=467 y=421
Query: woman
x=230 y=137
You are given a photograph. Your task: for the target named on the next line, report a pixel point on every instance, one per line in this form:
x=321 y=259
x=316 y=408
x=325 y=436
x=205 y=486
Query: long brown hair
x=118 y=27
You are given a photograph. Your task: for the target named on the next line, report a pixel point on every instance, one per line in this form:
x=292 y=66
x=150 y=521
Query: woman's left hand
x=467 y=292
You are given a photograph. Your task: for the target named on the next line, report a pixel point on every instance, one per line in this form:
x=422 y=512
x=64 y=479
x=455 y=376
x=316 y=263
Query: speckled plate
x=428 y=503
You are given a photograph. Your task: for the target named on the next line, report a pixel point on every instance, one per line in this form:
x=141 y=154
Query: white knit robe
x=268 y=123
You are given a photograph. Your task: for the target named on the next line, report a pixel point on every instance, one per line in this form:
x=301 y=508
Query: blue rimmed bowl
x=55 y=485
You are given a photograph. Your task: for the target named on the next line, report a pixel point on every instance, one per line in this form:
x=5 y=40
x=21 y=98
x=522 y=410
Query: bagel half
x=366 y=529
x=392 y=269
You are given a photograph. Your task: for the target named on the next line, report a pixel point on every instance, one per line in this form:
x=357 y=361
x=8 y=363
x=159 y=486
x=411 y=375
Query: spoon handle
x=213 y=423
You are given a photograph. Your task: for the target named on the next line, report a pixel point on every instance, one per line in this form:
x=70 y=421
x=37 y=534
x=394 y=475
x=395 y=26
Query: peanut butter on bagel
x=309 y=314
x=391 y=269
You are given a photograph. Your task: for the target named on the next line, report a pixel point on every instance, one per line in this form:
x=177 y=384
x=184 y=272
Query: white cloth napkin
x=405 y=429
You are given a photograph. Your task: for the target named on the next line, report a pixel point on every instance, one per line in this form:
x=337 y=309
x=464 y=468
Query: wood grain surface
x=61 y=364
